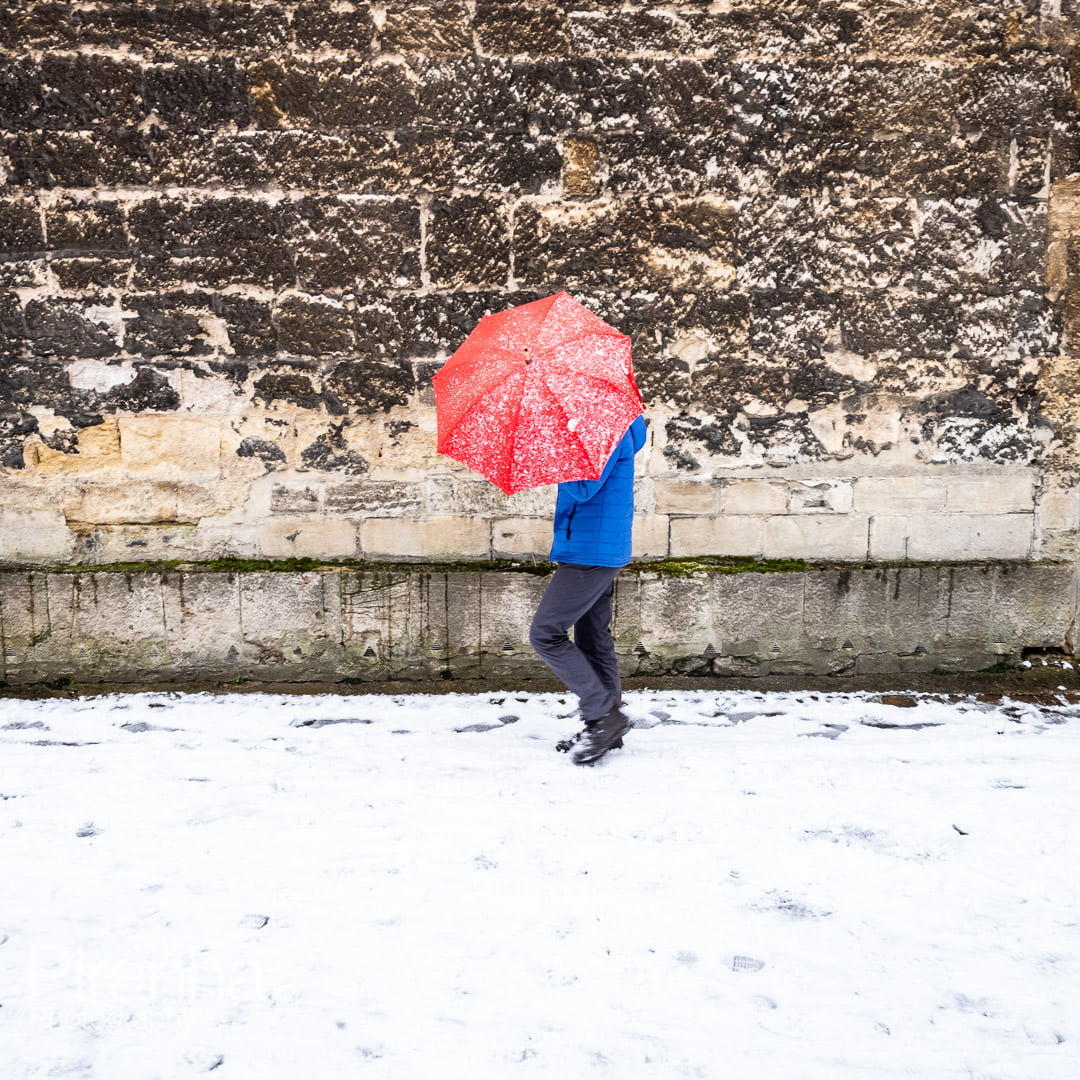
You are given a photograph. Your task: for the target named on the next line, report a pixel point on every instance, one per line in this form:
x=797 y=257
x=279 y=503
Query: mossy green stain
x=684 y=567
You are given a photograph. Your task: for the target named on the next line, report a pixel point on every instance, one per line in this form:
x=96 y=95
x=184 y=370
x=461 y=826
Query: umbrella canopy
x=537 y=394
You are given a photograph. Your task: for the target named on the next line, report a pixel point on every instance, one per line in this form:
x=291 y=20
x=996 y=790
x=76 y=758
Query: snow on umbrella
x=537 y=394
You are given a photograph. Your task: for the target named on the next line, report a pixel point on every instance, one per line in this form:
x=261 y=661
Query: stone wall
x=237 y=238
x=413 y=622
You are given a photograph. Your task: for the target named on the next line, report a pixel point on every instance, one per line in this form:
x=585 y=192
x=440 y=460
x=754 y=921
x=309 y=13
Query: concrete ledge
x=371 y=623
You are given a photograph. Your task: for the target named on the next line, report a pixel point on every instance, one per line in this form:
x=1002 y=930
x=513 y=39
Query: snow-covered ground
x=758 y=887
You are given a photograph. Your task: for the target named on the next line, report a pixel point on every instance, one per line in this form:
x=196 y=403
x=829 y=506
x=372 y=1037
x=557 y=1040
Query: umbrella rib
x=581 y=337
x=506 y=461
x=617 y=387
x=558 y=405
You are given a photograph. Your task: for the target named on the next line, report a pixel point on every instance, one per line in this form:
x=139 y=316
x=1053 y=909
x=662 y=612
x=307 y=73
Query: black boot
x=566 y=745
x=600 y=736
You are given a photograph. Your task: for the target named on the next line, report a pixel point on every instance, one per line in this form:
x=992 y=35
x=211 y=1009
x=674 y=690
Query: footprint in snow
x=746 y=963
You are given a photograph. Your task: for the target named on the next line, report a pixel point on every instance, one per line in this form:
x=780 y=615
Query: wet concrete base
x=468 y=627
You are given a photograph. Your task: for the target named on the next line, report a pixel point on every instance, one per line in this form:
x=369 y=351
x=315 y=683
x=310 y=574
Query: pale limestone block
x=1059 y=508
x=98 y=451
x=754 y=497
x=220 y=538
x=650 y=536
x=727 y=535
x=438 y=537
x=460 y=495
x=306 y=537
x=686 y=496
x=214 y=396
x=888 y=536
x=521 y=536
x=29 y=536
x=400 y=447
x=299 y=497
x=818 y=496
x=106 y=544
x=992 y=494
x=197 y=501
x=816 y=536
x=255 y=443
x=171 y=446
x=119 y=504
x=898 y=494
x=971 y=536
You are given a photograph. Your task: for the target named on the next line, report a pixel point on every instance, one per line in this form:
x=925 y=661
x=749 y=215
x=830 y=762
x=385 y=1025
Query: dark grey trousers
x=580 y=597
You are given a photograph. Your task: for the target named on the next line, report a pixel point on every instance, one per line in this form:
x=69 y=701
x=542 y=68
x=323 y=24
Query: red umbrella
x=537 y=394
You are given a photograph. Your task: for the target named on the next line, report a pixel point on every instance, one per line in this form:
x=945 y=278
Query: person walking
x=591 y=544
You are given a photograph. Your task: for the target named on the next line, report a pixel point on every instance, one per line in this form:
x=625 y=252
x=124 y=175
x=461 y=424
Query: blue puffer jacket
x=594 y=518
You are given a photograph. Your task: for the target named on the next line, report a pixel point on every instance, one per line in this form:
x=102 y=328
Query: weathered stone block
x=727 y=535
x=1059 y=508
x=818 y=496
x=529 y=537
x=691 y=497
x=508 y=602
x=619 y=33
x=479 y=497
x=898 y=494
x=355 y=242
x=583 y=94
x=669 y=243
x=971 y=536
x=149 y=502
x=97 y=450
x=816 y=537
x=160 y=29
x=173 y=447
x=474 y=92
x=314 y=326
x=209 y=241
x=753 y=497
x=343 y=93
x=500 y=161
x=431 y=28
x=650 y=537
x=581 y=166
x=889 y=535
x=468 y=241
x=316 y=25
x=990 y=494
x=69 y=328
x=521 y=29
x=934 y=164
x=435 y=537
x=306 y=537
x=22 y=238
x=373 y=498
x=686 y=94
x=290 y=625
x=74 y=90
x=1015 y=94
x=33 y=536
x=173 y=324
x=202 y=622
x=689 y=162
x=197 y=94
